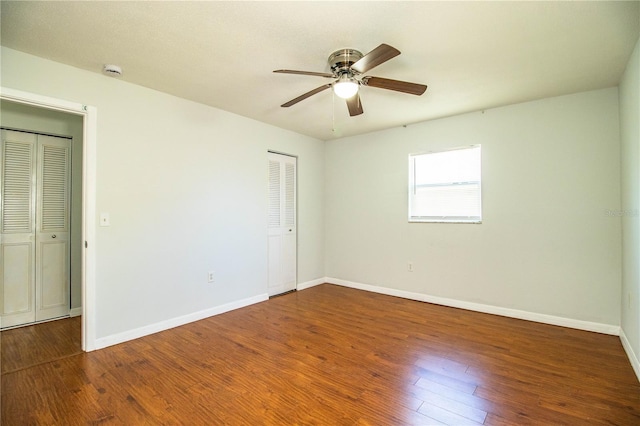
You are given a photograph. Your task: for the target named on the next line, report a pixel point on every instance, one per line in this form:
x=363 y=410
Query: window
x=445 y=186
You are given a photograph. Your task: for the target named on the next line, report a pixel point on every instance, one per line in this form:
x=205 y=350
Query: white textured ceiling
x=472 y=55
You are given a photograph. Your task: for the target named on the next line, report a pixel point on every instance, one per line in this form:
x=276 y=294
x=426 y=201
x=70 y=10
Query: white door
x=18 y=246
x=281 y=231
x=52 y=228
x=34 y=222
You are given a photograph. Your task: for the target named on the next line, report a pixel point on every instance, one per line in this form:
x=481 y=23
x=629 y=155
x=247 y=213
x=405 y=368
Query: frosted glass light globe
x=345 y=88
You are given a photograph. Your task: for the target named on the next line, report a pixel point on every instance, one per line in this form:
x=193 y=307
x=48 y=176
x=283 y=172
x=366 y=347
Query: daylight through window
x=446 y=186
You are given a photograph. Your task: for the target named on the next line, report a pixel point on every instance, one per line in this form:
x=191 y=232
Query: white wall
x=630 y=158
x=24 y=117
x=185 y=186
x=551 y=170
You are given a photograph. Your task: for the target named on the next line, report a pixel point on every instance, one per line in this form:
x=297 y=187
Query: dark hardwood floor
x=36 y=344
x=331 y=355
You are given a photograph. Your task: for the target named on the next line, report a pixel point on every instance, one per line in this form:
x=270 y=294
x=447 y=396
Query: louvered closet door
x=282 y=253
x=52 y=227
x=34 y=219
x=17 y=248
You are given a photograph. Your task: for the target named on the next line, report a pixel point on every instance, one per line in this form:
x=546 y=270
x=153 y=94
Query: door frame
x=89 y=130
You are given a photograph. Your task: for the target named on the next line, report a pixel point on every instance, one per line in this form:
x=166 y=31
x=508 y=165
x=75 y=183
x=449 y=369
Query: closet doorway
x=38 y=113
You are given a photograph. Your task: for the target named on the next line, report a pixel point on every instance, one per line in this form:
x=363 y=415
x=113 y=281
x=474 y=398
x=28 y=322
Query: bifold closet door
x=18 y=253
x=52 y=228
x=34 y=225
x=282 y=241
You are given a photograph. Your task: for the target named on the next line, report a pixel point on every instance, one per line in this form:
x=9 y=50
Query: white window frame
x=442 y=219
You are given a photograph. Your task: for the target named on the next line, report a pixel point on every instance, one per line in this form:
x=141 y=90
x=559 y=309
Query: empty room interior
x=200 y=227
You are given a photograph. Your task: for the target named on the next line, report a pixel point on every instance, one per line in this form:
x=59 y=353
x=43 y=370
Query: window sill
x=472 y=222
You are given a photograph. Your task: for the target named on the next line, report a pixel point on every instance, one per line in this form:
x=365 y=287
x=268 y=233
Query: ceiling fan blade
x=306 y=95
x=377 y=56
x=317 y=74
x=354 y=105
x=397 y=85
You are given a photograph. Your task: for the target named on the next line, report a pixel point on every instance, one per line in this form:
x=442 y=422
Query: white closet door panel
x=54 y=271
x=55 y=203
x=274 y=264
x=289 y=238
x=52 y=237
x=18 y=298
x=282 y=243
x=17 y=262
x=290 y=194
x=274 y=195
x=53 y=184
x=17 y=226
x=18 y=178
x=289 y=260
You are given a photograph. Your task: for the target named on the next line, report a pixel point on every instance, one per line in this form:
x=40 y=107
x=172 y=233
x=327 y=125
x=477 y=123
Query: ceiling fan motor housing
x=341 y=60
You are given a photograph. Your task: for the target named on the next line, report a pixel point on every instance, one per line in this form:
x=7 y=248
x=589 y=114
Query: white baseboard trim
x=75 y=312
x=487 y=309
x=633 y=358
x=312 y=283
x=114 y=339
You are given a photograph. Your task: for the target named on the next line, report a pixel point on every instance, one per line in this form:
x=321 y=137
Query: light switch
x=104 y=219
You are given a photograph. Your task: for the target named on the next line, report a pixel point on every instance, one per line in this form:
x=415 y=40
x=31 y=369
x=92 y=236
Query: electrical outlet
x=410 y=266
x=210 y=277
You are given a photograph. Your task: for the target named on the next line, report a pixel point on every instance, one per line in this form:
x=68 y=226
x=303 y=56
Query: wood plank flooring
x=35 y=344
x=331 y=355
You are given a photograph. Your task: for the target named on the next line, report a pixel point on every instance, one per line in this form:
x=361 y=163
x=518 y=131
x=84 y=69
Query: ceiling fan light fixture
x=346 y=87
x=347 y=69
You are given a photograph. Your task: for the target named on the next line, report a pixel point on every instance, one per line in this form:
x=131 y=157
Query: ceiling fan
x=348 y=67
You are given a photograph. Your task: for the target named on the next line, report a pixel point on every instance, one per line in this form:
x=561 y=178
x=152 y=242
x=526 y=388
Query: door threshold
x=27 y=324
x=282 y=294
